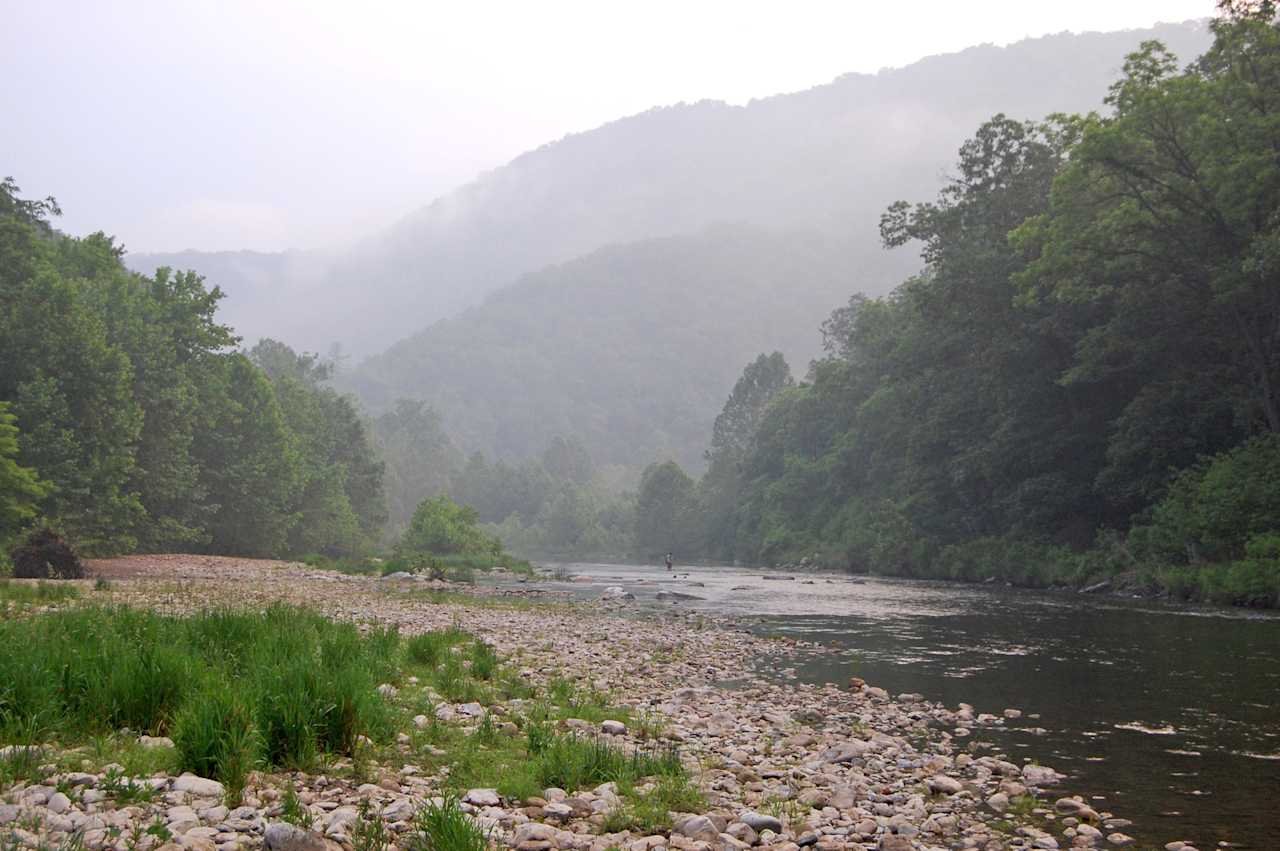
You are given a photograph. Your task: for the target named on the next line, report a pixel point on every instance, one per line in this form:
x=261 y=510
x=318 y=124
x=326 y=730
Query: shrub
x=443 y=527
x=1213 y=509
x=44 y=555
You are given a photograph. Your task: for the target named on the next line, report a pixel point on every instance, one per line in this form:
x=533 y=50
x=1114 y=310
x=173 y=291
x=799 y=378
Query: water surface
x=1166 y=715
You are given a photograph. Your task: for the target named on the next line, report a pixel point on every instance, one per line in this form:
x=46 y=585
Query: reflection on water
x=1168 y=716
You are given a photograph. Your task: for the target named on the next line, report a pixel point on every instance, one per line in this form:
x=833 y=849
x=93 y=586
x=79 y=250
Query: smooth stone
x=760 y=821
x=282 y=836
x=483 y=798
x=201 y=787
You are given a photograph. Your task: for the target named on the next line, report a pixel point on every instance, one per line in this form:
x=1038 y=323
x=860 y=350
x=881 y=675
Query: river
x=1168 y=716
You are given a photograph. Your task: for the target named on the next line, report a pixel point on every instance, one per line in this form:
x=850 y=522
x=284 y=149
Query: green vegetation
x=647 y=810
x=235 y=690
x=444 y=827
x=128 y=421
x=1080 y=385
x=442 y=527
x=35 y=593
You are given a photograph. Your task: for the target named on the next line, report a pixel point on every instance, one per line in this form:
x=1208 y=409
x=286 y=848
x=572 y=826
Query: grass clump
x=575 y=762
x=445 y=827
x=12 y=591
x=234 y=690
x=649 y=811
x=369 y=833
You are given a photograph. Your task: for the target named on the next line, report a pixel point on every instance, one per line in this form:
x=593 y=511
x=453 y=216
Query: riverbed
x=1166 y=715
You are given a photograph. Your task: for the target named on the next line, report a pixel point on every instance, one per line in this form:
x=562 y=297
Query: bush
x=442 y=527
x=1213 y=509
x=45 y=555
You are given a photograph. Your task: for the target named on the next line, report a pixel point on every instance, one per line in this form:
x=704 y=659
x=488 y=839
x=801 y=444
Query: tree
x=442 y=527
x=567 y=460
x=666 y=511
x=421 y=460
x=249 y=464
x=20 y=488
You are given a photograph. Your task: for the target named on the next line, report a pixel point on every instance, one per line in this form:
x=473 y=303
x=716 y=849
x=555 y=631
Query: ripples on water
x=1168 y=716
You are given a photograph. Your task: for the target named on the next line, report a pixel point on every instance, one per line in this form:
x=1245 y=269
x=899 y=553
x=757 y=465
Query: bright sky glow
x=270 y=125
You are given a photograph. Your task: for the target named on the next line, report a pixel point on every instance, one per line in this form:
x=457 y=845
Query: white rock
x=155 y=741
x=201 y=787
x=483 y=798
x=944 y=784
x=613 y=728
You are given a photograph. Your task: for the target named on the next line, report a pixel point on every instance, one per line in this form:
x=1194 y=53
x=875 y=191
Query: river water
x=1165 y=715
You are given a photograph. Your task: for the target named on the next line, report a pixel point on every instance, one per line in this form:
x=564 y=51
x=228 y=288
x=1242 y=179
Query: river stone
x=201 y=787
x=197 y=843
x=533 y=832
x=742 y=832
x=760 y=821
x=155 y=741
x=400 y=809
x=1120 y=839
x=894 y=842
x=58 y=803
x=613 y=728
x=483 y=798
x=698 y=827
x=340 y=818
x=944 y=784
x=1040 y=775
x=282 y=836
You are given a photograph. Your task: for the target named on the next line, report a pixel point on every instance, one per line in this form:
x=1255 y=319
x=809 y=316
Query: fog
x=303 y=125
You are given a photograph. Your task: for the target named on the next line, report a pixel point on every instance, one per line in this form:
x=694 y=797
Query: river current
x=1165 y=715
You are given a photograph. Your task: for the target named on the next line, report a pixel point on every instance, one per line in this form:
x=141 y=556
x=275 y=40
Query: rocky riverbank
x=780 y=765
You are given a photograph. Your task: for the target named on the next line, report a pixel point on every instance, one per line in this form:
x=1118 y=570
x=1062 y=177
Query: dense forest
x=1082 y=383
x=129 y=420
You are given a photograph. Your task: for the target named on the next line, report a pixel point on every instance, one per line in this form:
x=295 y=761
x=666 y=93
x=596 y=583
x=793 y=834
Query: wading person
x=669 y=562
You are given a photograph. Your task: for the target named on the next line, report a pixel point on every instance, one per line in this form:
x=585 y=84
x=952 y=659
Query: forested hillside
x=631 y=348
x=1082 y=381
x=129 y=421
x=828 y=158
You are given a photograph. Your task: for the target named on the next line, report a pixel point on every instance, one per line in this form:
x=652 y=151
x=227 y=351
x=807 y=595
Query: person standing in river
x=669 y=561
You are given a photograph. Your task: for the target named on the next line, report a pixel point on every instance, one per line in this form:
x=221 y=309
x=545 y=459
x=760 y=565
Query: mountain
x=827 y=159
x=631 y=348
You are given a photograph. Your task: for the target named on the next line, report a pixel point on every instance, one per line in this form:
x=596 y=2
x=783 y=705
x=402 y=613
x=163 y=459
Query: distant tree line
x=130 y=421
x=1083 y=382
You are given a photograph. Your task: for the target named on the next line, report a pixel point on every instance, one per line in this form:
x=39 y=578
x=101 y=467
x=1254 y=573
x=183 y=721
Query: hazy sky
x=274 y=124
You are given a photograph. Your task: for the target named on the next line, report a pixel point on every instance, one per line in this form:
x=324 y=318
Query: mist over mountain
x=828 y=159
x=626 y=348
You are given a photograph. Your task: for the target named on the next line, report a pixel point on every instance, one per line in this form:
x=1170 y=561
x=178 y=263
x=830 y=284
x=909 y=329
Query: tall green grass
x=234 y=689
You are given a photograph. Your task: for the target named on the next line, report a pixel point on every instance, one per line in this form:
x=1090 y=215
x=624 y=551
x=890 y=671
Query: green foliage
x=339 y=502
x=445 y=827
x=1213 y=509
x=667 y=512
x=573 y=762
x=1097 y=311
x=20 y=488
x=441 y=526
x=236 y=690
x=127 y=421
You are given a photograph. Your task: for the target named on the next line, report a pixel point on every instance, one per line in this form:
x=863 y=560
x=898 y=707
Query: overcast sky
x=271 y=124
